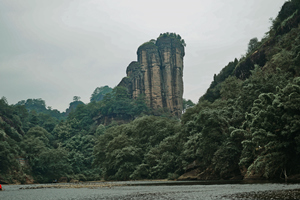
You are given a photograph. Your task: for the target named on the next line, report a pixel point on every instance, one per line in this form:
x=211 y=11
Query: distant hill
x=39 y=106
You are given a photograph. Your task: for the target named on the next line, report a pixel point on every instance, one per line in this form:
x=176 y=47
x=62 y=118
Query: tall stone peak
x=158 y=73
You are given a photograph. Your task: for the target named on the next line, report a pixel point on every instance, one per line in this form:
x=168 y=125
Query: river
x=137 y=190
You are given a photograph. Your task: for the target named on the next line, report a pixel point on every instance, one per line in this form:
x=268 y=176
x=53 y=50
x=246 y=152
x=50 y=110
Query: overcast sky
x=57 y=49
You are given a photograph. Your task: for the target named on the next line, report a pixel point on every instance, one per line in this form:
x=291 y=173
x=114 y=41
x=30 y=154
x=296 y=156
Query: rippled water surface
x=139 y=190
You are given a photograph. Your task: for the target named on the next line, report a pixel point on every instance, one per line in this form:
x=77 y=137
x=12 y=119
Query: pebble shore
x=267 y=195
x=146 y=190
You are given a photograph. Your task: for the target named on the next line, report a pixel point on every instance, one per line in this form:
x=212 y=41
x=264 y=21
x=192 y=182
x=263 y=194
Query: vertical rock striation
x=158 y=74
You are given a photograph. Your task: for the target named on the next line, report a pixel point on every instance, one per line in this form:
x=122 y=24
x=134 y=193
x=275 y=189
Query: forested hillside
x=247 y=125
x=248 y=121
x=40 y=144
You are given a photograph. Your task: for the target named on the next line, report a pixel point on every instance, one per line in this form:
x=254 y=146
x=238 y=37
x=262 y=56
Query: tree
x=161 y=160
x=100 y=92
x=76 y=98
x=8 y=153
x=39 y=132
x=80 y=152
x=186 y=104
x=51 y=164
x=139 y=106
x=274 y=133
x=226 y=158
x=231 y=88
x=252 y=45
x=213 y=92
x=117 y=104
x=100 y=130
x=122 y=149
x=39 y=106
x=62 y=131
x=73 y=105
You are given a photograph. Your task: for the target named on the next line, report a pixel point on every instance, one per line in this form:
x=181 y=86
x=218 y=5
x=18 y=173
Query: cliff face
x=158 y=74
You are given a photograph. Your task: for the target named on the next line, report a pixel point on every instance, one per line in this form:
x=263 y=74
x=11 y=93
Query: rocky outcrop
x=158 y=73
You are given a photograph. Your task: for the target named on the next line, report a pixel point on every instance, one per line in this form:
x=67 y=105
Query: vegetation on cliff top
x=173 y=36
x=153 y=43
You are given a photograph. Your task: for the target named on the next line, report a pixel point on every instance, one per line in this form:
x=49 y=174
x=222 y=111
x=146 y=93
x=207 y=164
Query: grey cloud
x=58 y=49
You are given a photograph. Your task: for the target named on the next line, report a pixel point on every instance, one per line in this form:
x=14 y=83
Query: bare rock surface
x=158 y=74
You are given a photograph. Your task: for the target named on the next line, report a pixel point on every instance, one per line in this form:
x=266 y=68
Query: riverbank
x=150 y=190
x=267 y=195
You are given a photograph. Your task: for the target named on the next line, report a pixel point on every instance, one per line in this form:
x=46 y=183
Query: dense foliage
x=100 y=92
x=173 y=36
x=246 y=124
x=130 y=151
x=213 y=92
x=39 y=106
x=46 y=145
x=253 y=123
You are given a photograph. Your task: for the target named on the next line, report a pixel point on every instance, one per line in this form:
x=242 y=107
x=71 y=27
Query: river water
x=138 y=190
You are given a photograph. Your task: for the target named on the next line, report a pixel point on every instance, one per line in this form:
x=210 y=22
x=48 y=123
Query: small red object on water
x=0 y=187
